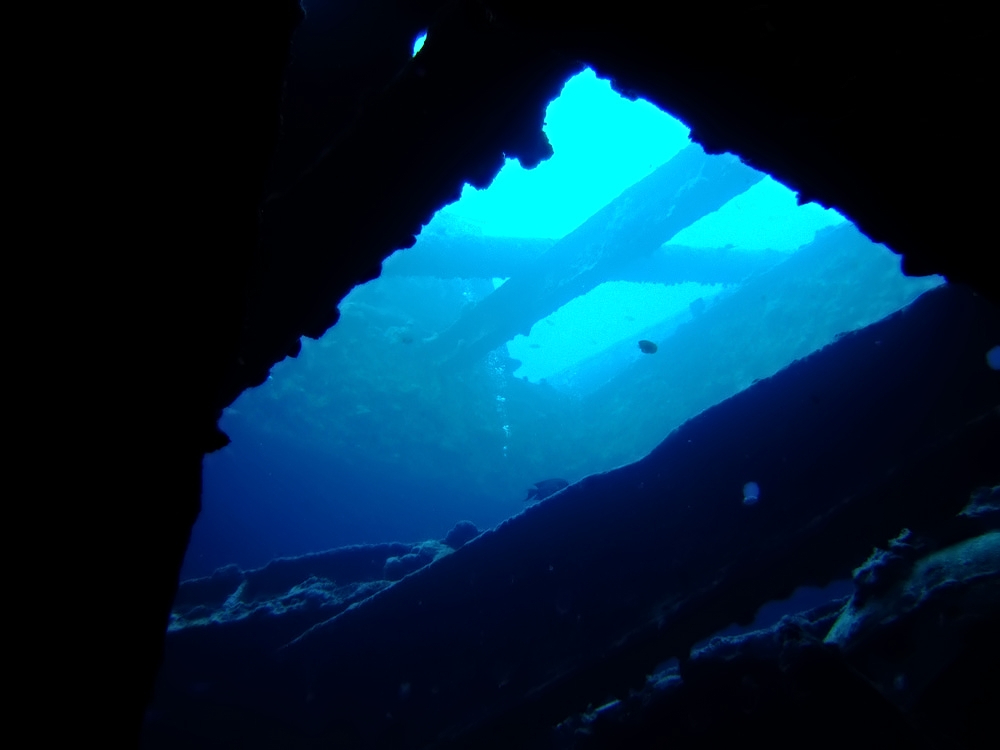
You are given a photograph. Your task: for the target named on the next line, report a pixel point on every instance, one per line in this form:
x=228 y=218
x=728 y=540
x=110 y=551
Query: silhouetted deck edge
x=579 y=596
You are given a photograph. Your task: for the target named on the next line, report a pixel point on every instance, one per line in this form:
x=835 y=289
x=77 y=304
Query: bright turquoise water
x=365 y=437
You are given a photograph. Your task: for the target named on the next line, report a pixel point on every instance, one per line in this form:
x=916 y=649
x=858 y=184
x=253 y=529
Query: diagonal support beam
x=632 y=226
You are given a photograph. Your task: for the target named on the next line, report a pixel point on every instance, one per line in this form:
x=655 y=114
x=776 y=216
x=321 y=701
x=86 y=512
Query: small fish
x=541 y=490
x=648 y=347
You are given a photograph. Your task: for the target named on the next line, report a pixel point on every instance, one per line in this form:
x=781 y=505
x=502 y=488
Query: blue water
x=362 y=439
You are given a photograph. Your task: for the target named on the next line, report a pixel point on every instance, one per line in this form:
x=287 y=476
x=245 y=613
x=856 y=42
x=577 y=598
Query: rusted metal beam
x=631 y=227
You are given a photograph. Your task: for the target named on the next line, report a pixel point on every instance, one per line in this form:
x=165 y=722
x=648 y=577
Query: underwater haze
x=629 y=445
x=503 y=349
